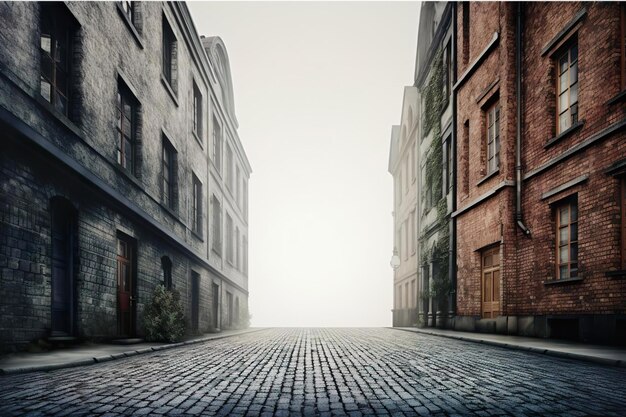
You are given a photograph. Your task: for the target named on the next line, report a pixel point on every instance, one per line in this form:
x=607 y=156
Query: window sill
x=563 y=281
x=619 y=274
x=169 y=210
x=169 y=89
x=488 y=176
x=130 y=26
x=195 y=135
x=59 y=116
x=621 y=96
x=197 y=235
x=565 y=133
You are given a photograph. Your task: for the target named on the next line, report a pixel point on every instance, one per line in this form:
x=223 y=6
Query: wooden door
x=491 y=283
x=195 y=301
x=216 y=305
x=125 y=278
x=62 y=281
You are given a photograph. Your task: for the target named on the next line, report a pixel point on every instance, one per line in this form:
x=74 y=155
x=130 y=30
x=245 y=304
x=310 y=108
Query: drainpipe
x=518 y=130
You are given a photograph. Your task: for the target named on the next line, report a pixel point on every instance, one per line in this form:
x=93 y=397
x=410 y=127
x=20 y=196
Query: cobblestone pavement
x=356 y=372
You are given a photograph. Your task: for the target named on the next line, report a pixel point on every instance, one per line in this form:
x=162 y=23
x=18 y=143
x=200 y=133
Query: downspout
x=518 y=130
x=452 y=225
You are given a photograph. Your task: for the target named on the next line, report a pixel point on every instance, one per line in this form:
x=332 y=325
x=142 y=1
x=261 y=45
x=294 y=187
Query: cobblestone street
x=356 y=372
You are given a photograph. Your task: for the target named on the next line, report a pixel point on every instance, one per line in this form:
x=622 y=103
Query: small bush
x=163 y=317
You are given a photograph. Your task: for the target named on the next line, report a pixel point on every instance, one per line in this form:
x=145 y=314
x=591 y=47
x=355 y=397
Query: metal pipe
x=518 y=130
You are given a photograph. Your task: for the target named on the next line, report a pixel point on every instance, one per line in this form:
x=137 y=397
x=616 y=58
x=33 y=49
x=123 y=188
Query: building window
x=493 y=138
x=245 y=199
x=623 y=44
x=447 y=74
x=448 y=175
x=57 y=30
x=196 y=206
x=567 y=239
x=168 y=174
x=126 y=128
x=567 y=87
x=623 y=225
x=197 y=112
x=229 y=167
x=170 y=63
x=237 y=250
x=230 y=253
x=217 y=144
x=217 y=225
x=245 y=255
x=166 y=265
x=466 y=30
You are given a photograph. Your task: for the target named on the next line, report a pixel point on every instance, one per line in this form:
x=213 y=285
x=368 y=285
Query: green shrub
x=163 y=317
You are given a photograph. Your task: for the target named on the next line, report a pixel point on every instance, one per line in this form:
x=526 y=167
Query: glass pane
x=126 y=126
x=60 y=54
x=45 y=43
x=563 y=103
x=61 y=81
x=573 y=73
x=574 y=231
x=563 y=83
x=60 y=102
x=490 y=119
x=46 y=67
x=128 y=111
x=574 y=252
x=564 y=121
x=564 y=215
x=128 y=151
x=573 y=97
x=573 y=272
x=45 y=89
x=563 y=64
x=563 y=236
x=563 y=272
x=563 y=255
x=574 y=209
x=574 y=53
x=574 y=112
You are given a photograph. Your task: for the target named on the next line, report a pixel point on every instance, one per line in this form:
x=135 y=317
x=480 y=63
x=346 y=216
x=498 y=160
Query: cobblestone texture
x=355 y=372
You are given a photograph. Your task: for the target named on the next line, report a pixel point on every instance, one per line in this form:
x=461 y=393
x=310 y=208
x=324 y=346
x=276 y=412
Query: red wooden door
x=124 y=288
x=491 y=283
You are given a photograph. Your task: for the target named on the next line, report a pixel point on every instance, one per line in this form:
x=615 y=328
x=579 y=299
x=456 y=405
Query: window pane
x=574 y=208
x=573 y=273
x=573 y=98
x=46 y=43
x=574 y=112
x=563 y=103
x=45 y=89
x=563 y=236
x=128 y=151
x=574 y=231
x=563 y=255
x=563 y=64
x=564 y=121
x=61 y=81
x=47 y=67
x=563 y=272
x=128 y=110
x=573 y=77
x=564 y=215
x=60 y=102
x=574 y=53
x=574 y=252
x=563 y=83
x=126 y=126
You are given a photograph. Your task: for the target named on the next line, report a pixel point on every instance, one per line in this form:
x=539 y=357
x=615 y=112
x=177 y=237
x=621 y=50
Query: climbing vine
x=438 y=253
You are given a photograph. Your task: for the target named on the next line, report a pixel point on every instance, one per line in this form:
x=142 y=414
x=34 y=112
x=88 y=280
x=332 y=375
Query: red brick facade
x=582 y=165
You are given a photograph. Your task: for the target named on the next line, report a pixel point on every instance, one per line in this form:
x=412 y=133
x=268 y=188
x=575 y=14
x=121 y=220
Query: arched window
x=166 y=264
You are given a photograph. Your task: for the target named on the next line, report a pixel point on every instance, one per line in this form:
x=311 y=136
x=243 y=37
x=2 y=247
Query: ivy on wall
x=438 y=253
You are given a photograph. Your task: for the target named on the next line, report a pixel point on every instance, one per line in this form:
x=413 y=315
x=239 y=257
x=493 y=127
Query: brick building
x=539 y=118
x=120 y=168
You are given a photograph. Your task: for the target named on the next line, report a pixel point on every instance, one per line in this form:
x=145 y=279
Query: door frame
x=493 y=250
x=132 y=262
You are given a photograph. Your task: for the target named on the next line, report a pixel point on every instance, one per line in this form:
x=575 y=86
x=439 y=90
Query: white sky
x=317 y=87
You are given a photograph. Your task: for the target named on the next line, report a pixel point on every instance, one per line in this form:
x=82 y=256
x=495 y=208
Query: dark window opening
x=169 y=55
x=126 y=129
x=197 y=111
x=168 y=174
x=196 y=207
x=567 y=239
x=166 y=265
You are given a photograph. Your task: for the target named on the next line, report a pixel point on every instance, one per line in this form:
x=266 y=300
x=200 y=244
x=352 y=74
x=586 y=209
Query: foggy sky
x=317 y=87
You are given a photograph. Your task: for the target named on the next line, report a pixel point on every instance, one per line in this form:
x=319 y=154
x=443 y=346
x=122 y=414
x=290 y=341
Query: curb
x=541 y=351
x=122 y=355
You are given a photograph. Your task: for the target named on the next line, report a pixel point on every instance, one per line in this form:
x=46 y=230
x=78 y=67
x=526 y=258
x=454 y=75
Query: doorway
x=491 y=283
x=63 y=227
x=126 y=275
x=215 y=290
x=195 y=301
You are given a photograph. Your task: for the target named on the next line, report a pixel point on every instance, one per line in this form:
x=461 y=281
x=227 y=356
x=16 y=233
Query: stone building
x=537 y=229
x=120 y=169
x=421 y=163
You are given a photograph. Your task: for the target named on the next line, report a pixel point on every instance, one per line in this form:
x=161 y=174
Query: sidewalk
x=606 y=355
x=89 y=354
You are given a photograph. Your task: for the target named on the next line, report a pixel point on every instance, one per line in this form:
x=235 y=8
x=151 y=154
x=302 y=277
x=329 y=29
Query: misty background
x=317 y=87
